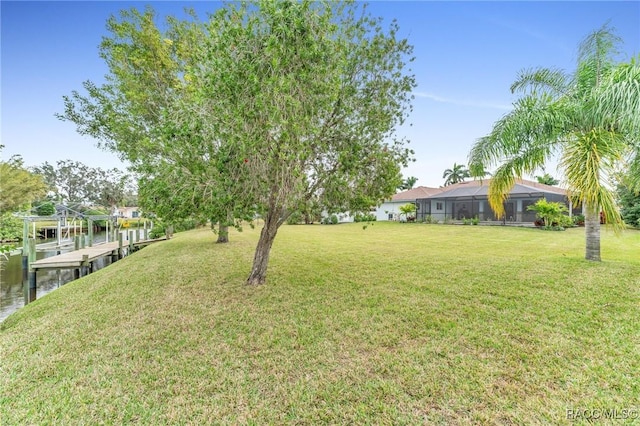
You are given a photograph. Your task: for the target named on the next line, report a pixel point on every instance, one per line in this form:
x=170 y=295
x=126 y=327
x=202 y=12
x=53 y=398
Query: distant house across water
x=128 y=212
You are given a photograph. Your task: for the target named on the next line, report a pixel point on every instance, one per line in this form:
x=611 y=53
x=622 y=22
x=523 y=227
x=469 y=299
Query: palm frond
x=527 y=161
x=552 y=81
x=617 y=99
x=533 y=128
x=589 y=160
x=596 y=57
x=599 y=46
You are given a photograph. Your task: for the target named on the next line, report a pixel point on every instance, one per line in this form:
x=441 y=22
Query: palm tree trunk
x=258 y=274
x=592 y=231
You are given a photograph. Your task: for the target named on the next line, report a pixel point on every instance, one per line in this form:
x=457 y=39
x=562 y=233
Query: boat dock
x=81 y=260
x=76 y=259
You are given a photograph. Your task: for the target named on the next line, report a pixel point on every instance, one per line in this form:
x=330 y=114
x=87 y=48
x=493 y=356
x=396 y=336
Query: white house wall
x=389 y=207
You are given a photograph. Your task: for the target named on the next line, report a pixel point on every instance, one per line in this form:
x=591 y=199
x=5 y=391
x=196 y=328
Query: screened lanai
x=468 y=200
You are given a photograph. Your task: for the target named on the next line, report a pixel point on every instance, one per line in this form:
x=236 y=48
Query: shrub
x=46 y=209
x=364 y=217
x=10 y=227
x=158 y=230
x=160 y=227
x=475 y=220
x=295 y=218
x=334 y=219
x=549 y=212
x=553 y=228
x=565 y=221
x=578 y=220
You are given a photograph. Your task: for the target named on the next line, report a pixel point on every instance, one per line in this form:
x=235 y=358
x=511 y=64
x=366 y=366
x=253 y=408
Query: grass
x=395 y=324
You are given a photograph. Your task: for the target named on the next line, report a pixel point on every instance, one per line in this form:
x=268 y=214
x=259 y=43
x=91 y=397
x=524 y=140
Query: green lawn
x=395 y=324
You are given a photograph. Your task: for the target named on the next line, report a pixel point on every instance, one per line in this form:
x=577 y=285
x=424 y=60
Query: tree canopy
x=590 y=118
x=261 y=110
x=75 y=182
x=18 y=186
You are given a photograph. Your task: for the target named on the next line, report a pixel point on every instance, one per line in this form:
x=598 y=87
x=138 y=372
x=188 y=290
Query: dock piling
x=90 y=231
x=84 y=266
x=119 y=245
x=25 y=275
x=32 y=285
x=31 y=294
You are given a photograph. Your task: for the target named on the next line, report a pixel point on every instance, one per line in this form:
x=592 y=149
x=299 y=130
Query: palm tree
x=456 y=174
x=410 y=182
x=407 y=183
x=547 y=179
x=591 y=118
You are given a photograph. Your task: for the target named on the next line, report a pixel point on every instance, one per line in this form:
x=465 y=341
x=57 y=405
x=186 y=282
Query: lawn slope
x=395 y=324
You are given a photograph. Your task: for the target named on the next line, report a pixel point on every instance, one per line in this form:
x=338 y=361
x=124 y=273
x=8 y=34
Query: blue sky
x=467 y=55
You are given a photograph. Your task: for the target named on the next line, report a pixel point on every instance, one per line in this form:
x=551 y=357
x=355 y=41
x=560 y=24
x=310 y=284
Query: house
x=390 y=210
x=127 y=212
x=467 y=200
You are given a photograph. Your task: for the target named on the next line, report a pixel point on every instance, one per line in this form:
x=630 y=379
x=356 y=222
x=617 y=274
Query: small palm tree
x=456 y=174
x=591 y=118
x=548 y=211
x=409 y=211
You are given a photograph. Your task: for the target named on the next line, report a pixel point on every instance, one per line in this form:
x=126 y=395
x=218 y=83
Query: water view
x=11 y=288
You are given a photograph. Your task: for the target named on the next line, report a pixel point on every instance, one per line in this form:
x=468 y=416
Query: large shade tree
x=266 y=106
x=141 y=114
x=18 y=186
x=590 y=118
x=75 y=182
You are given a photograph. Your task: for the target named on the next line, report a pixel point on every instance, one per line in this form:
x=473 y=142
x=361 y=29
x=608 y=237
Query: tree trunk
x=223 y=233
x=592 y=231
x=258 y=274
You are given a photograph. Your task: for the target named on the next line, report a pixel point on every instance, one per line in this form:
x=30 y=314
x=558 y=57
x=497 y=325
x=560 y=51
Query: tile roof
x=415 y=193
x=480 y=188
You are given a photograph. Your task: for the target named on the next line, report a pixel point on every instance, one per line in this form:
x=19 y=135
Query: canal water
x=11 y=290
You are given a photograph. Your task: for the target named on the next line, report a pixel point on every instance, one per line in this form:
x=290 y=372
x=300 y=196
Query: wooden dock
x=77 y=258
x=81 y=261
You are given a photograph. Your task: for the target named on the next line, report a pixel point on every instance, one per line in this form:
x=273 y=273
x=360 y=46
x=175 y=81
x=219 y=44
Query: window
x=438 y=206
x=390 y=216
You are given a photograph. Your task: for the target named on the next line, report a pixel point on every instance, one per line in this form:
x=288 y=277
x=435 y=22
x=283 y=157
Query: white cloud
x=462 y=102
